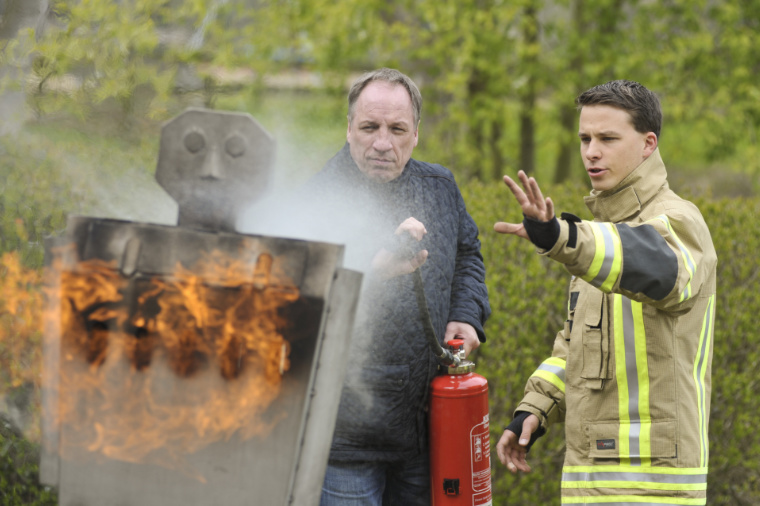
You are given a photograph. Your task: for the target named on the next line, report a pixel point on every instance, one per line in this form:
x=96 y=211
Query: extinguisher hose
x=444 y=355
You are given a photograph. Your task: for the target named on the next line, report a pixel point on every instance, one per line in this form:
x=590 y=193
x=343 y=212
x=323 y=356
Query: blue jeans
x=403 y=483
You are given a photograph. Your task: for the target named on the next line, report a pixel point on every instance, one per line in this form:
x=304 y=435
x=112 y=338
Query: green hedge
x=19 y=470
x=528 y=297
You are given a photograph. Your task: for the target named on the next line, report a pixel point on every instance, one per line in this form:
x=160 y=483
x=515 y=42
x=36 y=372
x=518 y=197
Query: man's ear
x=348 y=130
x=650 y=144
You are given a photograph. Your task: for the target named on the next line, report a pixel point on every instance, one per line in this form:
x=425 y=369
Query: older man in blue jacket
x=379 y=453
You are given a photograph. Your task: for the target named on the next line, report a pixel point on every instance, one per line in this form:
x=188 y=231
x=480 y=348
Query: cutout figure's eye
x=194 y=142
x=235 y=146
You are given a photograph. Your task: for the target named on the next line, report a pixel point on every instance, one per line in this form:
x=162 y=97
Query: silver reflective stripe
x=683 y=479
x=631 y=371
x=555 y=370
x=628 y=503
x=609 y=256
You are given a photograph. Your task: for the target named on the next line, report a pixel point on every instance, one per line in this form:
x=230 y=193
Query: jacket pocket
x=595 y=343
x=644 y=440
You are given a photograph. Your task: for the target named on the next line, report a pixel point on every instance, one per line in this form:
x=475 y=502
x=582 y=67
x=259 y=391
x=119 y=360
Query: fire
x=152 y=367
x=21 y=301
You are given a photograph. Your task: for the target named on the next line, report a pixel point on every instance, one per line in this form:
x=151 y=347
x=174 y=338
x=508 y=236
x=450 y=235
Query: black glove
x=543 y=234
x=516 y=426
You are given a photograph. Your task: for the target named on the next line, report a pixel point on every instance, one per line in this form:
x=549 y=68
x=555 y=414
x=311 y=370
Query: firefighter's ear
x=650 y=144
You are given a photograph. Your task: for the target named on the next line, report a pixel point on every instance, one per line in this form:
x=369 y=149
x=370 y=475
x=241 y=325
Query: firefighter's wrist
x=543 y=234
x=516 y=426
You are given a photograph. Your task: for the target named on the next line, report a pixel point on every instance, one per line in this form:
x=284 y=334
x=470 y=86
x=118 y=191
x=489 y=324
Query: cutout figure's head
x=214 y=164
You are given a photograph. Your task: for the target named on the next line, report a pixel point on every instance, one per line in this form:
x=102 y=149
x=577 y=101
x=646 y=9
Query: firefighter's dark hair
x=641 y=103
x=392 y=76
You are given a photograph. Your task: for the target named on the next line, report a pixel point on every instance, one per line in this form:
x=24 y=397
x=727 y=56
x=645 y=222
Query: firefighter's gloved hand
x=402 y=254
x=543 y=234
x=513 y=446
x=516 y=426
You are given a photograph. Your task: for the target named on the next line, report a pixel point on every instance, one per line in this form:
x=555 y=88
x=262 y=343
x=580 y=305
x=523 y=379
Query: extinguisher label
x=483 y=499
x=480 y=446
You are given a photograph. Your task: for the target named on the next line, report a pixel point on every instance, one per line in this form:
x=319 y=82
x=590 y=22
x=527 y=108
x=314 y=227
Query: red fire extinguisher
x=460 y=450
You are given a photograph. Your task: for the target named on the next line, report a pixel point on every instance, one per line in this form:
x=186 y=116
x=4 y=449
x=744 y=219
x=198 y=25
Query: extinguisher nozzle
x=448 y=358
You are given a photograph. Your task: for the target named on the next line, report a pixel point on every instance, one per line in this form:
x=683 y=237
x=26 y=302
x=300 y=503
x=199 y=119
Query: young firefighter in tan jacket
x=630 y=372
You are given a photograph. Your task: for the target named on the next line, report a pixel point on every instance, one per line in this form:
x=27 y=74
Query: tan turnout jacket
x=630 y=372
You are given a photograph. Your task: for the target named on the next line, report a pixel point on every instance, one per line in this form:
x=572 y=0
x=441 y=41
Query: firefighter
x=629 y=373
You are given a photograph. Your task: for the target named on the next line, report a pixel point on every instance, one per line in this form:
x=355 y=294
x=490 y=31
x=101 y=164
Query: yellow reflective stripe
x=556 y=361
x=682 y=471
x=553 y=371
x=688 y=259
x=701 y=362
x=551 y=379
x=691 y=481
x=642 y=366
x=632 y=372
x=607 y=262
x=596 y=263
x=633 y=484
x=627 y=499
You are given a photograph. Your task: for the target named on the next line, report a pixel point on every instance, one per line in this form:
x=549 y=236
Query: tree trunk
x=567 y=113
x=497 y=156
x=527 y=157
x=527 y=136
x=567 y=145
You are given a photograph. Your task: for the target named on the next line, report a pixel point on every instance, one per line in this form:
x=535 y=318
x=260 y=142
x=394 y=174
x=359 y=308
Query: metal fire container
x=132 y=350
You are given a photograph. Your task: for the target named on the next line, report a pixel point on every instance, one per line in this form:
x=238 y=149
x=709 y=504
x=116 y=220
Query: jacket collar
x=632 y=193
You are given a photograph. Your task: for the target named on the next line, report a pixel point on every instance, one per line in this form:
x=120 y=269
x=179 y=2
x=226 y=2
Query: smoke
x=295 y=213
x=292 y=209
x=132 y=195
x=13 y=111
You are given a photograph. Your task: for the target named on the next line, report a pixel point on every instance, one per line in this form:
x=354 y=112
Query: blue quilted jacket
x=382 y=415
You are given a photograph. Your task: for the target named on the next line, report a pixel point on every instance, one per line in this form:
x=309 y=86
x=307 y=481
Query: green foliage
x=32 y=201
x=499 y=78
x=19 y=471
x=528 y=296
x=105 y=55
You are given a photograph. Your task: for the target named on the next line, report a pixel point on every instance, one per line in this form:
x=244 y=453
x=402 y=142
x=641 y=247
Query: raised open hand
x=532 y=202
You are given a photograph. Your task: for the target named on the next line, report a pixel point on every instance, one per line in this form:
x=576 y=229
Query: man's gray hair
x=387 y=75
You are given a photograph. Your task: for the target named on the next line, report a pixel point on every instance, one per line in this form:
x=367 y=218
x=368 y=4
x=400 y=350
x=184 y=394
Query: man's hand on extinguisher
x=512 y=451
x=462 y=331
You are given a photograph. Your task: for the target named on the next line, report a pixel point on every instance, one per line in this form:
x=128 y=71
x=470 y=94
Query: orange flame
x=156 y=367
x=21 y=301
